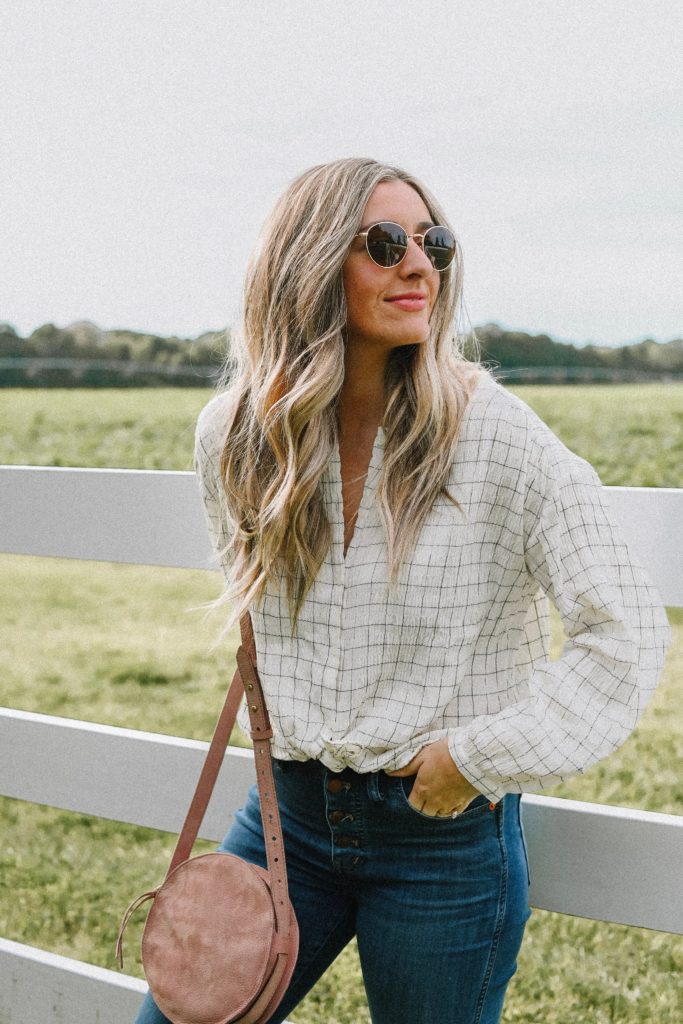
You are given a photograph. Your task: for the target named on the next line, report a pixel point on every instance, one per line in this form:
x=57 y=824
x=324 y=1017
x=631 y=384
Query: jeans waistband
x=311 y=769
x=377 y=784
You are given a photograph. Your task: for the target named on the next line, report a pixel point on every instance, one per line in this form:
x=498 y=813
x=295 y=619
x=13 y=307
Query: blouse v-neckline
x=374 y=468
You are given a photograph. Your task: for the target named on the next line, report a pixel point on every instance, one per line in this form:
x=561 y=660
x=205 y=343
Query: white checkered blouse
x=460 y=649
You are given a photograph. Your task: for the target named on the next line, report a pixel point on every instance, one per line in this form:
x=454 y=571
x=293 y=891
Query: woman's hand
x=439 y=789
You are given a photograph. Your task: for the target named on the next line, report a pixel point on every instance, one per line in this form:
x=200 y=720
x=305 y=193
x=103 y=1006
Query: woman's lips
x=409 y=304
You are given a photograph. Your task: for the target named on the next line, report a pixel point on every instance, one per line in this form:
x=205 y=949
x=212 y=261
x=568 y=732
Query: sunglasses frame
x=421 y=236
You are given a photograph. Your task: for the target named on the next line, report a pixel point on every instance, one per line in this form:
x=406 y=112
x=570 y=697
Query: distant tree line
x=521 y=356
x=84 y=355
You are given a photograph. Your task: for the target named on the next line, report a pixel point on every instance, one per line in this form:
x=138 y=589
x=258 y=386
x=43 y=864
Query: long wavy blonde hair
x=284 y=375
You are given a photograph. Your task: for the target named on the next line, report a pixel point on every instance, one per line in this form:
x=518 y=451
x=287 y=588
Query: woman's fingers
x=439 y=790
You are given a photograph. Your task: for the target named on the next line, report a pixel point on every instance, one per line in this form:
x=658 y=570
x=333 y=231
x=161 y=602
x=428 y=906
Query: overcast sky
x=144 y=143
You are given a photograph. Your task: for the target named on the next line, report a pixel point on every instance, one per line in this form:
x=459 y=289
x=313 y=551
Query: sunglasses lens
x=439 y=245
x=387 y=244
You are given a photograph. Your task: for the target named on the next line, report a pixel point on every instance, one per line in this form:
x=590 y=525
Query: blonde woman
x=393 y=518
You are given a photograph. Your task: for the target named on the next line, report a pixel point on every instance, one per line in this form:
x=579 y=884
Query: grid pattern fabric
x=460 y=647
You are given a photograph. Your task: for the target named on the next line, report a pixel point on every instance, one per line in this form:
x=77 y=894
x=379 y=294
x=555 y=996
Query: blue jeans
x=438 y=905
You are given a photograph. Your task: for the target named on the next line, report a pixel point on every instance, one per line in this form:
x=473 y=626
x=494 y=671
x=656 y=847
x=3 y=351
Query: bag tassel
x=124 y=921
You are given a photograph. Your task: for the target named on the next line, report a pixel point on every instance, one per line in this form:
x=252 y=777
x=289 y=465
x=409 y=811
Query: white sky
x=144 y=143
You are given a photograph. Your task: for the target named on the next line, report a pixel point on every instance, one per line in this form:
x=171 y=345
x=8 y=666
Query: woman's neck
x=361 y=401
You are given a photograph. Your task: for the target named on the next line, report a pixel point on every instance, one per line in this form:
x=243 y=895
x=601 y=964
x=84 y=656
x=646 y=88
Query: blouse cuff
x=471 y=763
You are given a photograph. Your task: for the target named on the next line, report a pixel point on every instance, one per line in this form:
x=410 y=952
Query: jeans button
x=346 y=841
x=336 y=817
x=336 y=785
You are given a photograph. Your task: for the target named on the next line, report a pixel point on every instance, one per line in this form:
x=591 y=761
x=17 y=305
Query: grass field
x=632 y=434
x=123 y=645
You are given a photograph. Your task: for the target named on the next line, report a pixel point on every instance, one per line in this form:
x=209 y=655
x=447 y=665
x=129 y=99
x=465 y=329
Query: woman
x=393 y=519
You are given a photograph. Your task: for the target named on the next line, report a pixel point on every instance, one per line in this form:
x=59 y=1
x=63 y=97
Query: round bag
x=210 y=948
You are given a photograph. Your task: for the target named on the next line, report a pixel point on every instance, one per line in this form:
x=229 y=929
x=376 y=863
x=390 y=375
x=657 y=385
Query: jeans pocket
x=474 y=807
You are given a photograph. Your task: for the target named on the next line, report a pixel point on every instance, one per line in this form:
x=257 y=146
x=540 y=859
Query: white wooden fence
x=589 y=860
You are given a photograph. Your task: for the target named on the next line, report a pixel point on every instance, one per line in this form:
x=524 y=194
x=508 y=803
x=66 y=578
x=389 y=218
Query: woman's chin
x=392 y=337
x=415 y=338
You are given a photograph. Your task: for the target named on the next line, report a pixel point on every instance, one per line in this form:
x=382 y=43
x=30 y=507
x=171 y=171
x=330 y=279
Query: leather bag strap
x=245 y=680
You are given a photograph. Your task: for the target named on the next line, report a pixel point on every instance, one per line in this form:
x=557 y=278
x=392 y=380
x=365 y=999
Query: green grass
x=126 y=645
x=631 y=433
x=126 y=428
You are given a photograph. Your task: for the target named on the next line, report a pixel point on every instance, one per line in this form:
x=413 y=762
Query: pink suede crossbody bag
x=221 y=938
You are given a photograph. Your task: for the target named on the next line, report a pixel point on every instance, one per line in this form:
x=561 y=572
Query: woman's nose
x=415 y=261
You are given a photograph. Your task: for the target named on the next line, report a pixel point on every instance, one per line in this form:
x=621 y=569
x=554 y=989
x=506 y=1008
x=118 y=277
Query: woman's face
x=375 y=318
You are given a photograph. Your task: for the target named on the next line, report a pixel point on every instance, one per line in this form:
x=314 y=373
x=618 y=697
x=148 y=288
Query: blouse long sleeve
x=208 y=442
x=582 y=707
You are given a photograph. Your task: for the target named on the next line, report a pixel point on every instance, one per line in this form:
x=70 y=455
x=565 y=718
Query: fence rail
x=576 y=849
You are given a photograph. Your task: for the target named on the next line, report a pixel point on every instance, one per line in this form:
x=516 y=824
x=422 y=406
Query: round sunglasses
x=387 y=244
